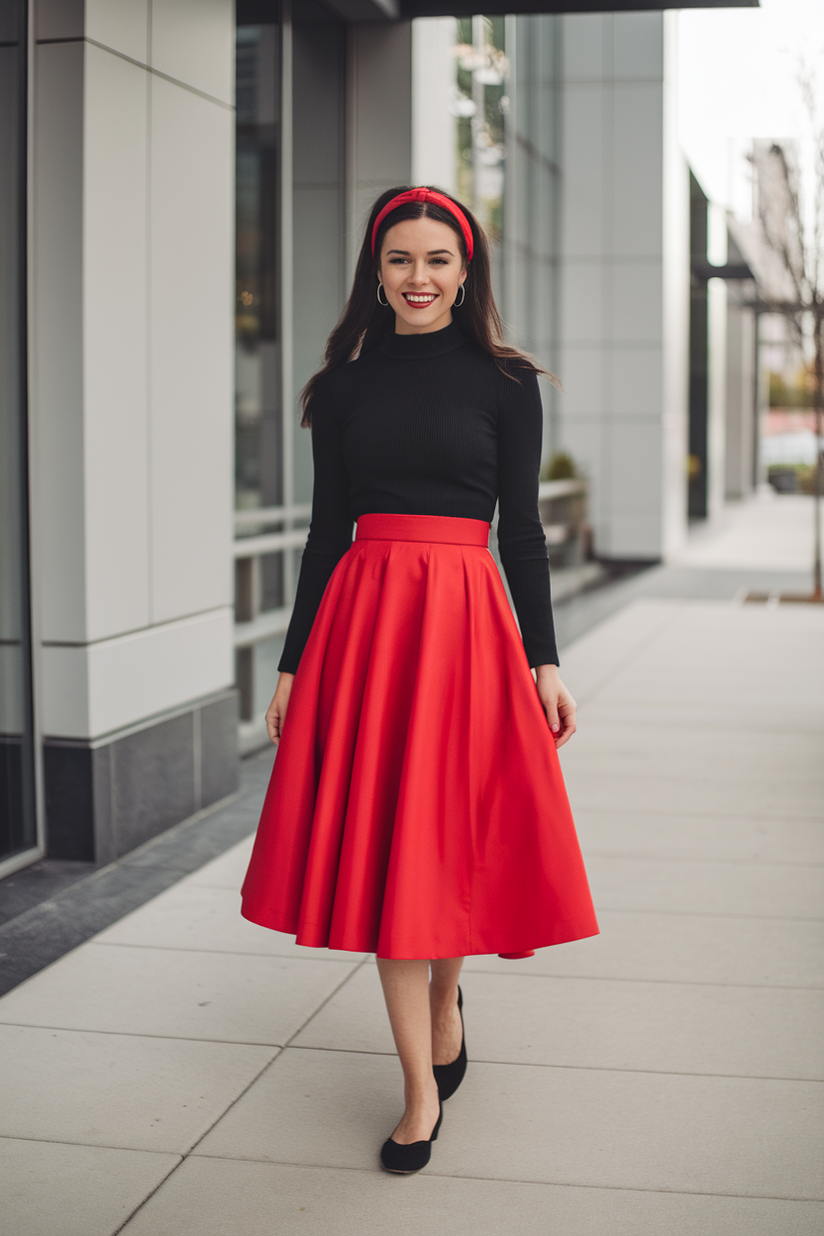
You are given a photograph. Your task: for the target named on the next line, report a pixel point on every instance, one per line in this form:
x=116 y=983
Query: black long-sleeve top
x=428 y=425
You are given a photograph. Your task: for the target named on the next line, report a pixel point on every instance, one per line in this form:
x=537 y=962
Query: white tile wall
x=115 y=429
x=636 y=127
x=582 y=298
x=675 y=352
x=634 y=536
x=716 y=395
x=612 y=358
x=193 y=42
x=122 y=25
x=586 y=440
x=384 y=93
x=191 y=302
x=637 y=46
x=434 y=128
x=98 y=688
x=585 y=38
x=637 y=382
x=585 y=194
x=132 y=427
x=637 y=302
x=57 y=338
x=635 y=468
x=582 y=378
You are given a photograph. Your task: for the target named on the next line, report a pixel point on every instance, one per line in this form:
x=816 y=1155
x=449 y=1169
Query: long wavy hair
x=364 y=322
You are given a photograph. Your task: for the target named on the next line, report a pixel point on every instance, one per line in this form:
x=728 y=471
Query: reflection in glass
x=17 y=815
x=258 y=453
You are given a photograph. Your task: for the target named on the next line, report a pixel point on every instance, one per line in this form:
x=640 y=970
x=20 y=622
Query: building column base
x=105 y=797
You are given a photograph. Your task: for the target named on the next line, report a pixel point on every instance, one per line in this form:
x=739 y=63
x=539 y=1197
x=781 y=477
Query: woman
x=416 y=807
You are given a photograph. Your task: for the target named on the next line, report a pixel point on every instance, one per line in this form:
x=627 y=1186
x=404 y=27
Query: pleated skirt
x=416 y=807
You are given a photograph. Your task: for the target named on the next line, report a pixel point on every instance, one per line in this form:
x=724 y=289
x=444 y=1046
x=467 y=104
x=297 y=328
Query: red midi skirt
x=416 y=807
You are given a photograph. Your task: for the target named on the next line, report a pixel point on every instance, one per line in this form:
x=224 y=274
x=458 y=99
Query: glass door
x=18 y=832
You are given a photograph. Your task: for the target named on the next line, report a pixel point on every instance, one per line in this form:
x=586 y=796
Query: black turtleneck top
x=428 y=425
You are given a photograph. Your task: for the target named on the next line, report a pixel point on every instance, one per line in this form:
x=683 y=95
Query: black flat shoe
x=408 y=1159
x=450 y=1076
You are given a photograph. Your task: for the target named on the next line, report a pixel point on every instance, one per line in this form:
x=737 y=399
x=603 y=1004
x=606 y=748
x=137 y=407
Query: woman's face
x=421 y=269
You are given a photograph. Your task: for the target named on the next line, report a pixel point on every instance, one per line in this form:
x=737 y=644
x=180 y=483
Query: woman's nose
x=419 y=273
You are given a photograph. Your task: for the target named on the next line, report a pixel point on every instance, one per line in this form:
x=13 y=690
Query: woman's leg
x=443 y=1002
x=406 y=991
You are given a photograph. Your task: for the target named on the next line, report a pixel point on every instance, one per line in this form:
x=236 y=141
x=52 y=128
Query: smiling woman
x=421 y=270
x=416 y=807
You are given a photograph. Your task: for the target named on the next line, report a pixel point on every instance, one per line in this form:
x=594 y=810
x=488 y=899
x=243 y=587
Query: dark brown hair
x=364 y=323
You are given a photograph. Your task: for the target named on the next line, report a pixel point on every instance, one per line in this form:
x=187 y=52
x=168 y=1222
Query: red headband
x=437 y=199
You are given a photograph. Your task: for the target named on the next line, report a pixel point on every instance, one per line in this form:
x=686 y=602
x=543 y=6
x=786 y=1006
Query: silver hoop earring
x=457 y=303
x=384 y=304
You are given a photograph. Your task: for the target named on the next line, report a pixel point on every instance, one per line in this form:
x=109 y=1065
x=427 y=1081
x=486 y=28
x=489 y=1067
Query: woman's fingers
x=277 y=709
x=273 y=725
x=567 y=710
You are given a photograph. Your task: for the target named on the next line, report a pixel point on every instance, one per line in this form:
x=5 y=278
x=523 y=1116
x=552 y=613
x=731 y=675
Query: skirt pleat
x=416 y=807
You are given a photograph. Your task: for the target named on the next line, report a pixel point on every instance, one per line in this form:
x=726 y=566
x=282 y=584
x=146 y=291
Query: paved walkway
x=185 y=1073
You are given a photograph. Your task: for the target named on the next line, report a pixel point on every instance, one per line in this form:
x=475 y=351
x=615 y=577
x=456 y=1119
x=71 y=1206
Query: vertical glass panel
x=17 y=815
x=258 y=438
x=318 y=86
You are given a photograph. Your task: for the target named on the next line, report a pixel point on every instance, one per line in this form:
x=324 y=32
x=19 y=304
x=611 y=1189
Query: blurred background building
x=184 y=187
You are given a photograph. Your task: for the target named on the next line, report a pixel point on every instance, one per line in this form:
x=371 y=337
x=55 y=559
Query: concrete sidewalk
x=185 y=1073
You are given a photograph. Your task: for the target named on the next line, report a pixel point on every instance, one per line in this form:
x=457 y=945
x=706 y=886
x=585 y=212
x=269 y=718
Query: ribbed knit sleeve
x=330 y=529
x=521 y=538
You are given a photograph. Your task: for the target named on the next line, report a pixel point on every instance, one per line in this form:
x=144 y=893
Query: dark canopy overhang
x=394 y=10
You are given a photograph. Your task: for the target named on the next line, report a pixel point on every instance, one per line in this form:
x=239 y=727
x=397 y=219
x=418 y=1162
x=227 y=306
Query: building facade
x=184 y=188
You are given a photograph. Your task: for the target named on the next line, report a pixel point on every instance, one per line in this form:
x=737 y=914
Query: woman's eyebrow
x=431 y=253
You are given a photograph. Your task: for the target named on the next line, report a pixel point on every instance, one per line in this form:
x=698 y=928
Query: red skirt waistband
x=447 y=529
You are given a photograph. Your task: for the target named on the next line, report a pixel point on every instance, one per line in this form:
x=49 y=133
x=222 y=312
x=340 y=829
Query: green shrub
x=560 y=467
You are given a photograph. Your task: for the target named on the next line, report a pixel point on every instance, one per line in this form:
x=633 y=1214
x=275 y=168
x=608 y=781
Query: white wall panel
x=613 y=358
x=193 y=42
x=190 y=352
x=676 y=304
x=114 y=346
x=585 y=437
x=434 y=128
x=634 y=536
x=57 y=338
x=637 y=382
x=637 y=154
x=582 y=298
x=381 y=140
x=586 y=36
x=636 y=302
x=102 y=687
x=582 y=378
x=637 y=46
x=122 y=25
x=716 y=395
x=585 y=194
x=635 y=468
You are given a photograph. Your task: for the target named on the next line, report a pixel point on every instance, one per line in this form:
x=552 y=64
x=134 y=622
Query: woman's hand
x=276 y=711
x=556 y=702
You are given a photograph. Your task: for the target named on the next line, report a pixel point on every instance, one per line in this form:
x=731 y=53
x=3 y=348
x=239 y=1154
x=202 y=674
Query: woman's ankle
x=422 y=1094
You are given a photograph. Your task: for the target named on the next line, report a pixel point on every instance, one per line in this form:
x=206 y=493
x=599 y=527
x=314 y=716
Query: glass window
x=258 y=456
x=17 y=803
